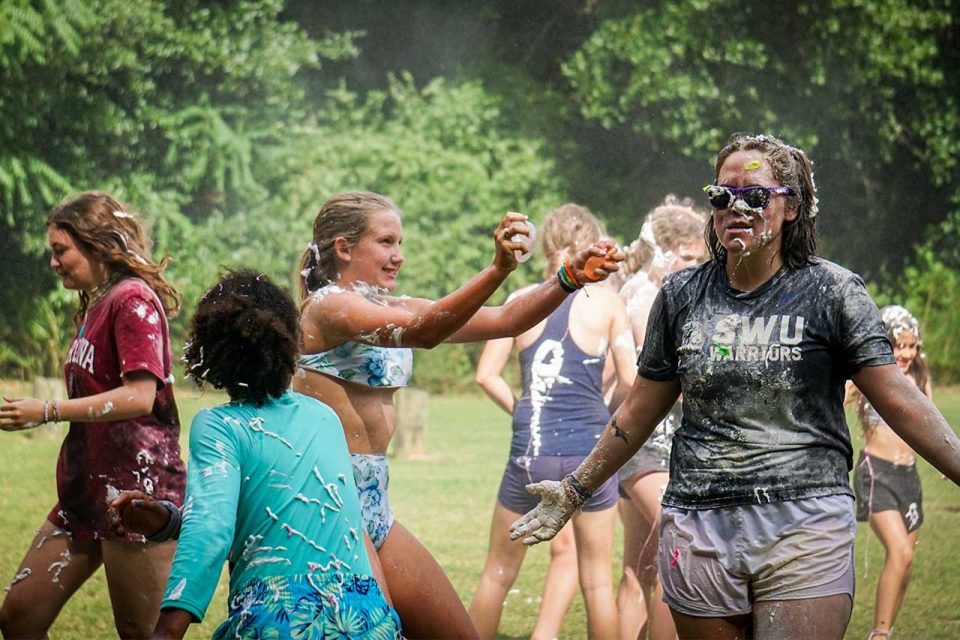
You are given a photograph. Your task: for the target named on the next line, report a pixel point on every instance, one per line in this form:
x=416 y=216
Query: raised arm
x=524 y=312
x=334 y=316
x=912 y=415
x=645 y=406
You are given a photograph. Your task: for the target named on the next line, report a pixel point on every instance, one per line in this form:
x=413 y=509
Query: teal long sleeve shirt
x=271 y=489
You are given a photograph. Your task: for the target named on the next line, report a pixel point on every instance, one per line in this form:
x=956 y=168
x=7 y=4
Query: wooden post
x=49 y=389
x=409 y=439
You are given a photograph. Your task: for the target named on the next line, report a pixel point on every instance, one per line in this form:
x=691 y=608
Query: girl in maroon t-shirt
x=123 y=419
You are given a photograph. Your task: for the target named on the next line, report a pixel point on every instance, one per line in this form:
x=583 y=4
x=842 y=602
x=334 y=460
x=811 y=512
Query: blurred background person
x=556 y=421
x=886 y=481
x=672 y=238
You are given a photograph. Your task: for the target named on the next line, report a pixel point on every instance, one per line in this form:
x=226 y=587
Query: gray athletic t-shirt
x=762 y=376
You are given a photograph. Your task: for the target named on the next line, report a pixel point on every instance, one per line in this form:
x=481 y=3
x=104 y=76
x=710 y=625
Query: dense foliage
x=868 y=89
x=228 y=123
x=161 y=105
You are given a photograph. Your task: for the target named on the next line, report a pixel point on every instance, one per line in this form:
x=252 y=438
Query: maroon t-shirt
x=124 y=332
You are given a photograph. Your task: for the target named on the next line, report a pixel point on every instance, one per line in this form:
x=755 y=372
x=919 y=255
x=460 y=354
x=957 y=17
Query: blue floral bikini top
x=365 y=364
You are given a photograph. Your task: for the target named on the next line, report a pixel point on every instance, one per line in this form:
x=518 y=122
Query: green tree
x=442 y=152
x=868 y=88
x=220 y=123
x=160 y=103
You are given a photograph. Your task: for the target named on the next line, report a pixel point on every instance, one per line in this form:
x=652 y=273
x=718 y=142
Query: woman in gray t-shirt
x=757 y=526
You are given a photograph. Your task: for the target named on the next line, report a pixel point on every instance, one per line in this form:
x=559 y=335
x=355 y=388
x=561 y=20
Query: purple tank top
x=561 y=411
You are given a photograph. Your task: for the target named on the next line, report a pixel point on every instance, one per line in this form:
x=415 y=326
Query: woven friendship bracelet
x=573 y=274
x=567 y=283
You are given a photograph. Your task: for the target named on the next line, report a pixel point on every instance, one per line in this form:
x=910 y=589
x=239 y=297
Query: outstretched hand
x=136 y=512
x=20 y=413
x=545 y=520
x=513 y=224
x=597 y=262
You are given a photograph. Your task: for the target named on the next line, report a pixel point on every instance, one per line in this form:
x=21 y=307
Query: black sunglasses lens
x=756 y=198
x=719 y=197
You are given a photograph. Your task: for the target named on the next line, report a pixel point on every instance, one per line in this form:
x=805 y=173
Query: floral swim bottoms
x=309 y=606
x=372 y=475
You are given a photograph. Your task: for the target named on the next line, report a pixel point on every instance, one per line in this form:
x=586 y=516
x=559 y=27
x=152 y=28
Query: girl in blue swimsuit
x=556 y=421
x=355 y=354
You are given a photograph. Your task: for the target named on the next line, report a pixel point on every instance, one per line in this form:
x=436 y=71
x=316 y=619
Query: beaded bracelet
x=46 y=412
x=56 y=411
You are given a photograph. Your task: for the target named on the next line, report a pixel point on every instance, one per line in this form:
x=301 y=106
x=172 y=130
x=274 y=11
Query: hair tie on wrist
x=572 y=495
x=576 y=487
x=172 y=528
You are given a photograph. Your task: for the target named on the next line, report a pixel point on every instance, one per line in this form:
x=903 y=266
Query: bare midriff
x=367 y=413
x=885 y=444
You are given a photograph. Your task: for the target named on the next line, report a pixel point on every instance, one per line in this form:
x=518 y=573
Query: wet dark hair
x=791 y=168
x=244 y=337
x=107 y=230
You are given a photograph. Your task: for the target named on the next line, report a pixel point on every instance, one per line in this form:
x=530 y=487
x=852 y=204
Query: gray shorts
x=718 y=562
x=645 y=461
x=884 y=486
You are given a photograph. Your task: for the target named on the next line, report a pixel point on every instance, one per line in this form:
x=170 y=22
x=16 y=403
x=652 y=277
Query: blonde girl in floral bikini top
x=365 y=364
x=356 y=339
x=377 y=367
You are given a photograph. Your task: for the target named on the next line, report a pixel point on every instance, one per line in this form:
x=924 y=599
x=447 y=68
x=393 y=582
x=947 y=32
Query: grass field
x=446 y=499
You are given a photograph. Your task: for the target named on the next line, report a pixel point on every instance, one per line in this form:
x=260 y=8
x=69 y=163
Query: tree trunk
x=409 y=439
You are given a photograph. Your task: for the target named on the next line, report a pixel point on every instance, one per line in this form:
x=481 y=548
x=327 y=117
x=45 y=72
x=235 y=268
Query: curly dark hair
x=791 y=168
x=244 y=337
